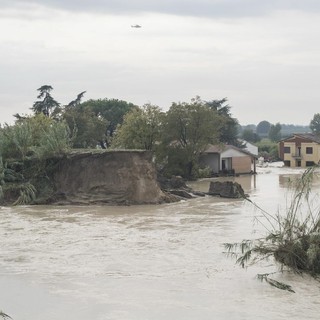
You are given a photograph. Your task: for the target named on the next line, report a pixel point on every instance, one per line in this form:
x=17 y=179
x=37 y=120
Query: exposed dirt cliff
x=112 y=177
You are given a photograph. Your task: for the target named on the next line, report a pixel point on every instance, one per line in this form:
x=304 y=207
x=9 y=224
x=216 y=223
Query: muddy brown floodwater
x=147 y=262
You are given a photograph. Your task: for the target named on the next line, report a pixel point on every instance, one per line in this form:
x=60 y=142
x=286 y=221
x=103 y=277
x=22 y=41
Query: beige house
x=300 y=150
x=228 y=159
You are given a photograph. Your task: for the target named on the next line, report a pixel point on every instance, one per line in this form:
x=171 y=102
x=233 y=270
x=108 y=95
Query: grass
x=293 y=237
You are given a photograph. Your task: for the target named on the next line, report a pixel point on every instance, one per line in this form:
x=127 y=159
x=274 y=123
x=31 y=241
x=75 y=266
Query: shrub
x=4 y=315
x=55 y=141
x=16 y=141
x=293 y=237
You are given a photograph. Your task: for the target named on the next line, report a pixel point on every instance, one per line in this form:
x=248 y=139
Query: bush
x=55 y=141
x=16 y=141
x=293 y=238
x=268 y=149
x=25 y=152
x=205 y=172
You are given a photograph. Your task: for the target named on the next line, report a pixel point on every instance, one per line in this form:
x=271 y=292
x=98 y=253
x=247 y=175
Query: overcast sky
x=263 y=56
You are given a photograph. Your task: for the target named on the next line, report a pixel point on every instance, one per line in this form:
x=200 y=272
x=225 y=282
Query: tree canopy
x=275 y=132
x=229 y=130
x=263 y=128
x=141 y=128
x=46 y=103
x=188 y=130
x=112 y=111
x=315 y=124
x=177 y=137
x=250 y=136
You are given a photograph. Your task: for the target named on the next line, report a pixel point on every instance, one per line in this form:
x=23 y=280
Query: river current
x=148 y=262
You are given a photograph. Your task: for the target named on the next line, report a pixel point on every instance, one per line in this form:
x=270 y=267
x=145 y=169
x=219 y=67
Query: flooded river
x=147 y=262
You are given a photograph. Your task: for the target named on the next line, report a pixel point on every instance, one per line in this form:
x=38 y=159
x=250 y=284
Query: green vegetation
x=274 y=132
x=48 y=105
x=141 y=129
x=293 y=237
x=109 y=111
x=4 y=315
x=176 y=137
x=268 y=149
x=188 y=129
x=315 y=124
x=263 y=128
x=250 y=136
x=229 y=130
x=26 y=149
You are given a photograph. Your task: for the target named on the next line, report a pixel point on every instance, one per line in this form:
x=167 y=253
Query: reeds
x=4 y=315
x=293 y=237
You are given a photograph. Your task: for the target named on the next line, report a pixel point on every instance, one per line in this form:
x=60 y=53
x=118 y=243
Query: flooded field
x=147 y=262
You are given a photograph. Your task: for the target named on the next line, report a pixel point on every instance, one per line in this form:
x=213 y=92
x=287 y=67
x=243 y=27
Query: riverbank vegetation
x=28 y=148
x=176 y=137
x=292 y=237
x=4 y=315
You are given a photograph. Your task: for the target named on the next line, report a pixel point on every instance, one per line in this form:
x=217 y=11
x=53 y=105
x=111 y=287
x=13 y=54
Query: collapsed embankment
x=86 y=177
x=111 y=177
x=121 y=177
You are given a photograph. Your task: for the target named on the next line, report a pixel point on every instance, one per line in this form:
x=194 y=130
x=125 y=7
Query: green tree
x=275 y=132
x=112 y=111
x=315 y=124
x=250 y=136
x=188 y=130
x=46 y=105
x=88 y=129
x=263 y=128
x=141 y=128
x=56 y=140
x=34 y=136
x=76 y=101
x=16 y=141
x=38 y=124
x=268 y=149
x=229 y=130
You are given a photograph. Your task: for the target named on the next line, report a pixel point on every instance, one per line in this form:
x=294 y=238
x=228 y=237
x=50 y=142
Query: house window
x=287 y=163
x=286 y=149
x=309 y=150
x=309 y=163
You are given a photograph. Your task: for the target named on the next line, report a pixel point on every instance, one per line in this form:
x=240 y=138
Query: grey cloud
x=206 y=8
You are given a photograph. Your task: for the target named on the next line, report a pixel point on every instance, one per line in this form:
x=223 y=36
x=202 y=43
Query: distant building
x=228 y=159
x=300 y=150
